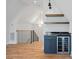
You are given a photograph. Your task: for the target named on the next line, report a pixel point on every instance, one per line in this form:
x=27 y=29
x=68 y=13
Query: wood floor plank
x=30 y=51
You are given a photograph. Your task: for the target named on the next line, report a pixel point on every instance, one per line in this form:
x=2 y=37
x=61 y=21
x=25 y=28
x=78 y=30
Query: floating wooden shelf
x=56 y=22
x=21 y=30
x=54 y=15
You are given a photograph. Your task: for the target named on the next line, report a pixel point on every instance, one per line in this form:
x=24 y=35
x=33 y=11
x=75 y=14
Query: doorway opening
x=26 y=36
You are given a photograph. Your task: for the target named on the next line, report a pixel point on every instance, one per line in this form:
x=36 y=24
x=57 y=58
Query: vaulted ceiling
x=27 y=9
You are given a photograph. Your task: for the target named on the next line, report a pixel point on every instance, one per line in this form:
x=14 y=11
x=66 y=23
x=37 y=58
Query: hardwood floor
x=30 y=51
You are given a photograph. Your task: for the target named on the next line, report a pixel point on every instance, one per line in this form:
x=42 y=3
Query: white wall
x=63 y=6
x=66 y=7
x=56 y=19
x=56 y=28
x=13 y=7
x=19 y=13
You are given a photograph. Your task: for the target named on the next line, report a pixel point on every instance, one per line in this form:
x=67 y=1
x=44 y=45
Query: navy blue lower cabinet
x=70 y=46
x=50 y=44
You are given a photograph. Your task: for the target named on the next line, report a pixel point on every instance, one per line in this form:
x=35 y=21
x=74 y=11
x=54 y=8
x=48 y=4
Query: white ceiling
x=27 y=9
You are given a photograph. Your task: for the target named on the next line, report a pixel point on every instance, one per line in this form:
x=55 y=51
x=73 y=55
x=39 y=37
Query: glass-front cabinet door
x=66 y=45
x=59 y=45
x=63 y=44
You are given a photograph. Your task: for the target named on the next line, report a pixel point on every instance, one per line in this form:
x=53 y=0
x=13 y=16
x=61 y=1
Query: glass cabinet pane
x=60 y=48
x=66 y=44
x=59 y=44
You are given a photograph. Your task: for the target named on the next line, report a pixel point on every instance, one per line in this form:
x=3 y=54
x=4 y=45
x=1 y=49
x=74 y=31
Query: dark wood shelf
x=54 y=15
x=56 y=22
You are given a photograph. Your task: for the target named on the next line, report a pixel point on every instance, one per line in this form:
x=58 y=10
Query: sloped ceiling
x=16 y=7
x=20 y=8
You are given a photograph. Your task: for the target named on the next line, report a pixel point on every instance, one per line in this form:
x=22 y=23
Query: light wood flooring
x=30 y=51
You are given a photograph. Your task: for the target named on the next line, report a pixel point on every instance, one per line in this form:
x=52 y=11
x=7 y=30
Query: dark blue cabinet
x=70 y=46
x=50 y=44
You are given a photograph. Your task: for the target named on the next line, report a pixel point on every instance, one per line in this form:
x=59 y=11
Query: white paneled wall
x=56 y=28
x=56 y=19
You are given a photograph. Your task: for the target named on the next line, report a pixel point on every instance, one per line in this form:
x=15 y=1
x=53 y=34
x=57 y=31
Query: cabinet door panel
x=66 y=44
x=60 y=44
